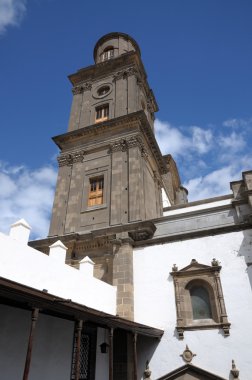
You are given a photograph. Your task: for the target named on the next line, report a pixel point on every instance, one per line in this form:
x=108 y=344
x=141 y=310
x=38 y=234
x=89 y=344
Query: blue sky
x=198 y=57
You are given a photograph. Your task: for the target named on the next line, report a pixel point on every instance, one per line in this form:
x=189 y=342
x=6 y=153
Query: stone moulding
x=137 y=119
x=209 y=278
x=190 y=370
x=102 y=238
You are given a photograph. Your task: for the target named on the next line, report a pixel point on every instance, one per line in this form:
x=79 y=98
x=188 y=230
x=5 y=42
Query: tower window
x=96 y=186
x=199 y=298
x=107 y=54
x=102 y=113
x=201 y=307
x=103 y=90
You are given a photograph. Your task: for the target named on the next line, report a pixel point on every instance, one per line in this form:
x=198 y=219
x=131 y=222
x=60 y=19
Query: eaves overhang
x=19 y=295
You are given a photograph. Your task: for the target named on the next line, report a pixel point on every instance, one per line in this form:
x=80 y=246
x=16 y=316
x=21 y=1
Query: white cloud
x=170 y=139
x=234 y=142
x=237 y=123
x=174 y=141
x=201 y=140
x=11 y=13
x=209 y=159
x=27 y=194
x=213 y=184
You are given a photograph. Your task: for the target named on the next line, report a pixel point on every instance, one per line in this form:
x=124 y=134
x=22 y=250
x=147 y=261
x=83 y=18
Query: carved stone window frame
x=197 y=274
x=93 y=174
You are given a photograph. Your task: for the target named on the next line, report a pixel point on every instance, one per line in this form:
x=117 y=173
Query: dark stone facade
x=124 y=152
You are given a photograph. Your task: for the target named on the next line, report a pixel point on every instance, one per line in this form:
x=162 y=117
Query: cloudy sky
x=198 y=58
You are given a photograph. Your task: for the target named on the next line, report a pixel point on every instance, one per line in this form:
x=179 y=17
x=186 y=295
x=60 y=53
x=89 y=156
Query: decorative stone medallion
x=187 y=355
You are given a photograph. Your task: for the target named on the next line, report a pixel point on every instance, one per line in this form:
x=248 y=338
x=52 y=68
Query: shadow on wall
x=145 y=350
x=246 y=252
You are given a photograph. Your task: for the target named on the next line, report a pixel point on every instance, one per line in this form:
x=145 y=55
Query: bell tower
x=111 y=170
x=110 y=166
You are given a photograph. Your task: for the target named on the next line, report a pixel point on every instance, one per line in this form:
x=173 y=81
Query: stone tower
x=111 y=170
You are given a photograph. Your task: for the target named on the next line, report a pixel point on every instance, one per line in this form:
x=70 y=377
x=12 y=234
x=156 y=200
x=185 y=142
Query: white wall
x=155 y=304
x=25 y=265
x=52 y=346
x=102 y=360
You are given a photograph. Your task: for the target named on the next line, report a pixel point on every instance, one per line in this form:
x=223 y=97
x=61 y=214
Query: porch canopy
x=21 y=296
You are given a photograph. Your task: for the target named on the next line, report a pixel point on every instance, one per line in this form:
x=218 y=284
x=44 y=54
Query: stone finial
x=215 y=263
x=147 y=372
x=187 y=355
x=234 y=371
x=194 y=261
x=58 y=251
x=174 y=268
x=20 y=231
x=87 y=267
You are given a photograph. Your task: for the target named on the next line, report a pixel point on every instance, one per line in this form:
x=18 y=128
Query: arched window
x=199 y=298
x=107 y=54
x=201 y=307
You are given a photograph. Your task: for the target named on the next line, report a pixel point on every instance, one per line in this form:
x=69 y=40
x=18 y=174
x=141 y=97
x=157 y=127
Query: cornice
x=106 y=68
x=138 y=119
x=126 y=64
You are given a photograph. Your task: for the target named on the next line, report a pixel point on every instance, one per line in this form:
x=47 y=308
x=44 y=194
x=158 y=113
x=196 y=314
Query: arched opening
x=201 y=306
x=108 y=53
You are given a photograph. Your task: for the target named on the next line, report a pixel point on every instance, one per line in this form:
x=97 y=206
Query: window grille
x=84 y=357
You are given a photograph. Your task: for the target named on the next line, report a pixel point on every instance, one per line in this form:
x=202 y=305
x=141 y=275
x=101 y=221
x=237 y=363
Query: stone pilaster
x=59 y=210
x=136 y=185
x=123 y=277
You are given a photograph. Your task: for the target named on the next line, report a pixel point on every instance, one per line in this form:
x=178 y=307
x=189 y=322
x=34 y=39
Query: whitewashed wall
x=25 y=265
x=155 y=304
x=52 y=347
x=102 y=360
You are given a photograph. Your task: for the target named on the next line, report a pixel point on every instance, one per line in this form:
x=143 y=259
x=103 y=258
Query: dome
x=112 y=45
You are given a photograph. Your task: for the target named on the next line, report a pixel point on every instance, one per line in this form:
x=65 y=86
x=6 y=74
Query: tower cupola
x=113 y=45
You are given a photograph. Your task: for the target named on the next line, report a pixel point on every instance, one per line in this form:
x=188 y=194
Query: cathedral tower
x=111 y=170
x=110 y=166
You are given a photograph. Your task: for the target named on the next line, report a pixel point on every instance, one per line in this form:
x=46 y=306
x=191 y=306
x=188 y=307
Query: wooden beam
x=78 y=331
x=34 y=317
x=111 y=341
x=135 y=356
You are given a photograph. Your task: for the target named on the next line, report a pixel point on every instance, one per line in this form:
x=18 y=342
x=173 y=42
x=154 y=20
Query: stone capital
x=81 y=88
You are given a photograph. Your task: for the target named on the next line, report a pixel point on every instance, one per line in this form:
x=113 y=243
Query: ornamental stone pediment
x=194 y=266
x=190 y=372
